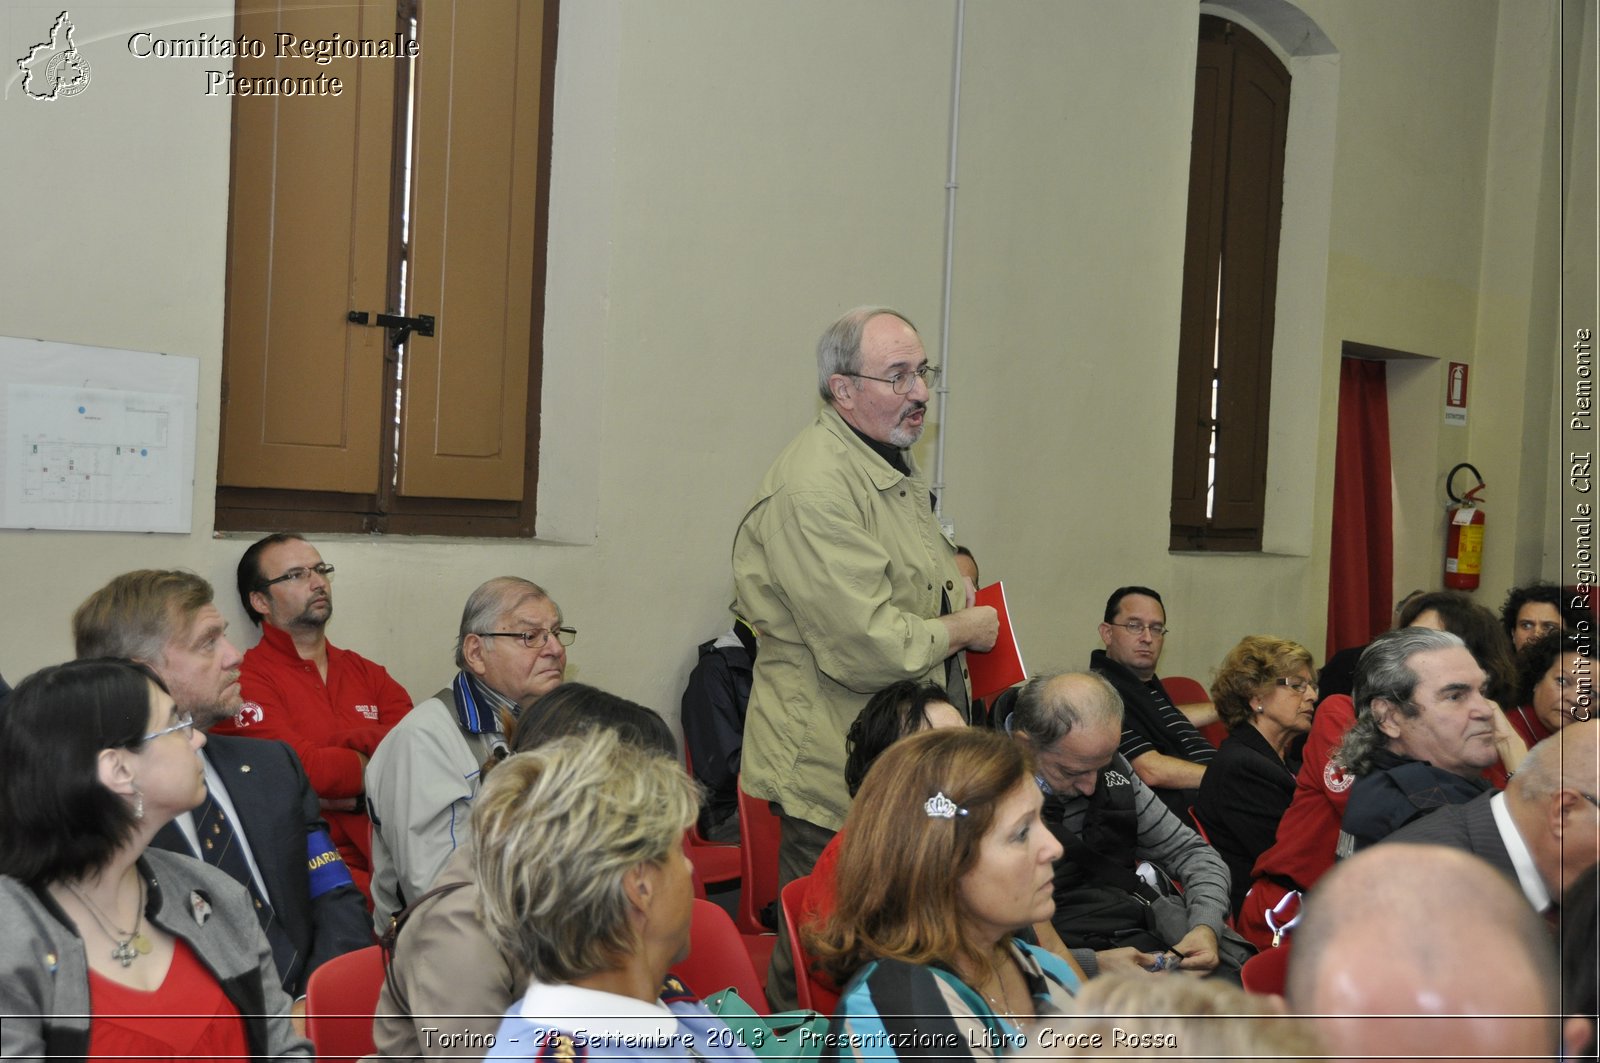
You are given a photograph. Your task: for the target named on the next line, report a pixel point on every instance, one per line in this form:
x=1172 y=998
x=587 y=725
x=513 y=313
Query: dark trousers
x=800 y=845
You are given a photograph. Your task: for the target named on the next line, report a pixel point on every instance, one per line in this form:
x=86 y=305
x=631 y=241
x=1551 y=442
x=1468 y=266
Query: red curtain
x=1361 y=569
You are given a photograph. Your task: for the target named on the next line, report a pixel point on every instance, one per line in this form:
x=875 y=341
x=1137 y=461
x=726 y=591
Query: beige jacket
x=841 y=567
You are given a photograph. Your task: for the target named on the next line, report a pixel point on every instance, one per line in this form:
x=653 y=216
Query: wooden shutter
x=473 y=249
x=302 y=396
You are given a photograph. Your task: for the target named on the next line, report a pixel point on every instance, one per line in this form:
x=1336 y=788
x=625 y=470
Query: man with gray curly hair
x=1424 y=733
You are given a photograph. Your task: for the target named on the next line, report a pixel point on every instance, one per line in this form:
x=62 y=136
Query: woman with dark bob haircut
x=1265 y=693
x=109 y=948
x=945 y=859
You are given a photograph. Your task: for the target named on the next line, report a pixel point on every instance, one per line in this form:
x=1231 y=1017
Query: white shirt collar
x=1528 y=876
x=574 y=1009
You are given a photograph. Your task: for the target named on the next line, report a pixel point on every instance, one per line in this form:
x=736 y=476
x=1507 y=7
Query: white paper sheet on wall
x=96 y=439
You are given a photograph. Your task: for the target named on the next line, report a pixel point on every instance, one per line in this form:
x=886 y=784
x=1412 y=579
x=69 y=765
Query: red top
x=188 y=1018
x=1528 y=725
x=819 y=895
x=327 y=723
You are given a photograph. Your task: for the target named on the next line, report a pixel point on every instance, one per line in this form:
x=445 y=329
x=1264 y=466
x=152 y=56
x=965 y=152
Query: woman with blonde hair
x=945 y=859
x=584 y=884
x=1265 y=693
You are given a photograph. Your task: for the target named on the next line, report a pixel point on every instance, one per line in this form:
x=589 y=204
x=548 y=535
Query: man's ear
x=261 y=603
x=472 y=651
x=843 y=395
x=1384 y=715
x=1105 y=635
x=1559 y=807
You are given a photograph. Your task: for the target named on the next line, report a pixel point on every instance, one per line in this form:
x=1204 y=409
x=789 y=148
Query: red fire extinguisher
x=1463 y=543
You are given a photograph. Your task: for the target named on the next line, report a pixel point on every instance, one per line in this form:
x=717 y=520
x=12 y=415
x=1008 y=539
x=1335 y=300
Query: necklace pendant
x=124 y=953
x=141 y=943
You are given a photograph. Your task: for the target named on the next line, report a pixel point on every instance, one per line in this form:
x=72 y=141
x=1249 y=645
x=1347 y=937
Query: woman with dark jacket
x=1264 y=692
x=109 y=947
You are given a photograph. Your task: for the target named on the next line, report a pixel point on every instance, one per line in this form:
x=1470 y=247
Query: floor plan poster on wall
x=95 y=439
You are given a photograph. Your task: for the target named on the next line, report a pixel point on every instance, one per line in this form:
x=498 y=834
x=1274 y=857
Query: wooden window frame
x=384 y=510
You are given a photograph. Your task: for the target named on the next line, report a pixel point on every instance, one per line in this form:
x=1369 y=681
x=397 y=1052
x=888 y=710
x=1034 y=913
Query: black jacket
x=278 y=813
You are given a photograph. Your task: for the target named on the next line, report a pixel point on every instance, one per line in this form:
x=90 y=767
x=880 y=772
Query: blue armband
x=325 y=866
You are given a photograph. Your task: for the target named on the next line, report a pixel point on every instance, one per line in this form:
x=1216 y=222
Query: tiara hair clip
x=941 y=807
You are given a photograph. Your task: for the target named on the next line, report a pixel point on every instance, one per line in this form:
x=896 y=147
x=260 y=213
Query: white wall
x=728 y=175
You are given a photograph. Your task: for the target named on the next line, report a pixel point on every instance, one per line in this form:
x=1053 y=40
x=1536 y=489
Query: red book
x=1002 y=666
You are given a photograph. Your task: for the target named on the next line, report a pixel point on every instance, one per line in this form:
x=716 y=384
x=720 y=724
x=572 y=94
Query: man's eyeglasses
x=295 y=575
x=185 y=723
x=902 y=383
x=1296 y=684
x=1139 y=627
x=534 y=640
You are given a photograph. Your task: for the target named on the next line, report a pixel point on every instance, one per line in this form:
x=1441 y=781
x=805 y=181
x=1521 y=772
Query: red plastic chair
x=1266 y=971
x=713 y=862
x=1200 y=828
x=718 y=958
x=1182 y=690
x=758 y=851
x=810 y=991
x=341 y=1000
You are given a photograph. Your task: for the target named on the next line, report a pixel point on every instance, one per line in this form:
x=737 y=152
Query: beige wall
x=731 y=174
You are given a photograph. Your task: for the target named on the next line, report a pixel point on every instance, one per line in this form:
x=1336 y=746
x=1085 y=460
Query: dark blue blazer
x=278 y=812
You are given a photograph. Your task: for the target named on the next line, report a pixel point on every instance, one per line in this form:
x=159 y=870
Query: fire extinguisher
x=1463 y=543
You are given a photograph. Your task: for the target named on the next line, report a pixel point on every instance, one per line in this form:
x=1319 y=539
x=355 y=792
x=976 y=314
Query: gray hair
x=1384 y=673
x=1564 y=759
x=1047 y=714
x=839 y=349
x=491 y=601
x=556 y=831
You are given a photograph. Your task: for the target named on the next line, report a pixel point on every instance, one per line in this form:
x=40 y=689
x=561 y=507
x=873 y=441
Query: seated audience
x=1555 y=686
x=1204 y=1019
x=944 y=860
x=713 y=710
x=586 y=887
x=1537 y=609
x=110 y=947
x=1419 y=950
x=447 y=972
x=332 y=705
x=1265 y=694
x=1580 y=957
x=1163 y=745
x=1423 y=734
x=1540 y=831
x=511 y=650
x=260 y=820
x=1115 y=903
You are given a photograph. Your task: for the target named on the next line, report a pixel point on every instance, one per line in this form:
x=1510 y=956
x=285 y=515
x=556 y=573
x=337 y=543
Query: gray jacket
x=44 y=975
